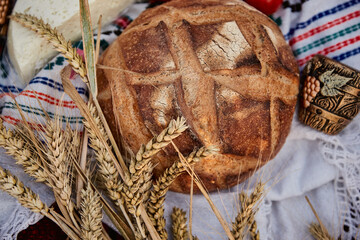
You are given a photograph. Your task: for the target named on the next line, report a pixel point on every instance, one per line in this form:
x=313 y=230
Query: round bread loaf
x=222 y=65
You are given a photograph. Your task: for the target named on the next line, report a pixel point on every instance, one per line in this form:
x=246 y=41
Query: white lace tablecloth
x=324 y=168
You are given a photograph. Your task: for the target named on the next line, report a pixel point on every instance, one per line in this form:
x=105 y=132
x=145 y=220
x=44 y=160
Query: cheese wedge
x=29 y=53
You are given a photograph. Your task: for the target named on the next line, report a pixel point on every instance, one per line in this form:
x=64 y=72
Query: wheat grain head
x=91 y=214
x=55 y=38
x=18 y=147
x=26 y=197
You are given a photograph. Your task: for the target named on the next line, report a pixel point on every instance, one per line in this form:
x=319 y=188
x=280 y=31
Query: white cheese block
x=29 y=53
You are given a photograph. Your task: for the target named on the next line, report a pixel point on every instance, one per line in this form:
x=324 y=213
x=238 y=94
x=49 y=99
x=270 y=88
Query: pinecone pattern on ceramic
x=4 y=7
x=311 y=88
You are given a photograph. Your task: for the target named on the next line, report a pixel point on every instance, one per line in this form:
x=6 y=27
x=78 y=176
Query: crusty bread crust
x=222 y=65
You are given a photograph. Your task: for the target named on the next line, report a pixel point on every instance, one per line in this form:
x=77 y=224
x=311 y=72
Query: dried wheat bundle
x=140 y=212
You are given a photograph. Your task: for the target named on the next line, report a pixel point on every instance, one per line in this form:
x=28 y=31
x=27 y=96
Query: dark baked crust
x=222 y=65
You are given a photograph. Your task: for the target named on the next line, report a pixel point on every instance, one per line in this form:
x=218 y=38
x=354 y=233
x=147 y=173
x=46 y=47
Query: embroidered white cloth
x=324 y=168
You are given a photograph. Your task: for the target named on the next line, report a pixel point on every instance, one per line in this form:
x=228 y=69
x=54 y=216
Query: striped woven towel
x=329 y=28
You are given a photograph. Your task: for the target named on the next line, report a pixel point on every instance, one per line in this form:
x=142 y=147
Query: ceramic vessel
x=330 y=96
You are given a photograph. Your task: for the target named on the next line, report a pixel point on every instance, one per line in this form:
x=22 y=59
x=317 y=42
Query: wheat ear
x=247 y=213
x=318 y=233
x=135 y=189
x=55 y=38
x=179 y=226
x=161 y=186
x=17 y=147
x=144 y=155
x=137 y=185
x=254 y=232
x=72 y=140
x=107 y=168
x=27 y=198
x=59 y=167
x=91 y=214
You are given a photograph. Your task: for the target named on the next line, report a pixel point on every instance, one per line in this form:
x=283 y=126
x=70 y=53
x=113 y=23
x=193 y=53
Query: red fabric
x=45 y=229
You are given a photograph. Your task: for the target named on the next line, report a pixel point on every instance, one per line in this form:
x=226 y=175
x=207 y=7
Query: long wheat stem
x=55 y=38
x=91 y=214
x=318 y=230
x=161 y=186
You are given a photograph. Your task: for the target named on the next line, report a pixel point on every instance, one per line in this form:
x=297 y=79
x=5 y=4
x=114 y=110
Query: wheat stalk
x=27 y=198
x=120 y=166
x=318 y=233
x=247 y=213
x=161 y=186
x=55 y=38
x=91 y=214
x=17 y=147
x=318 y=230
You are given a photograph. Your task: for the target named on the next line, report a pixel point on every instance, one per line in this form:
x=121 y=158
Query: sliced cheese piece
x=29 y=53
